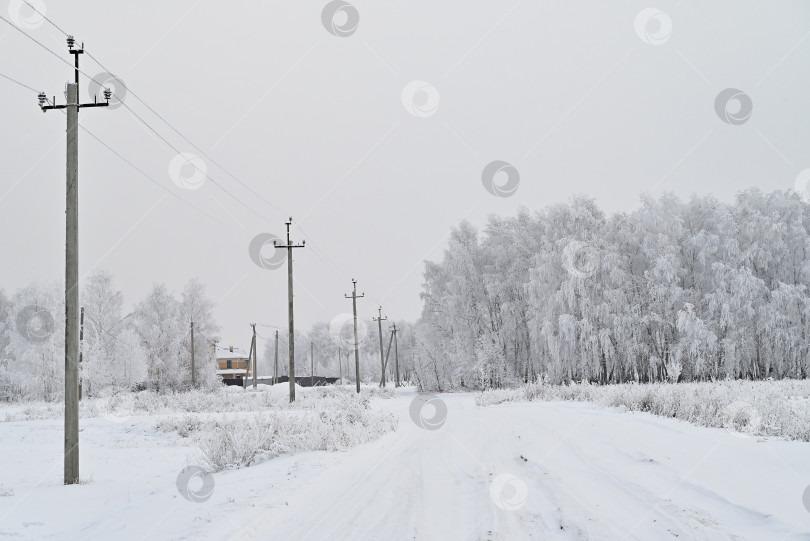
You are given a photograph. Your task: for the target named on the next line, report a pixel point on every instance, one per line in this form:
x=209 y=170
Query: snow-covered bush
x=766 y=408
x=234 y=441
x=366 y=391
x=123 y=405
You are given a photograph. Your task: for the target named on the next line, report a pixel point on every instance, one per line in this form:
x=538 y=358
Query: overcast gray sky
x=595 y=97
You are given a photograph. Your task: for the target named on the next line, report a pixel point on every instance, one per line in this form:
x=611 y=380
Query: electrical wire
x=45 y=17
x=161 y=186
x=143 y=173
x=121 y=157
x=313 y=244
x=158 y=115
x=133 y=112
x=187 y=140
x=317 y=253
x=29 y=36
x=205 y=173
x=268 y=326
x=31 y=88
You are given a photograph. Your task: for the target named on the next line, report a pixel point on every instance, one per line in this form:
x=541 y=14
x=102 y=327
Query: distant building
x=232 y=364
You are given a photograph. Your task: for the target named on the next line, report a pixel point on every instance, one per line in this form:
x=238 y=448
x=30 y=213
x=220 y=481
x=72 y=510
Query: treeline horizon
x=672 y=291
x=150 y=347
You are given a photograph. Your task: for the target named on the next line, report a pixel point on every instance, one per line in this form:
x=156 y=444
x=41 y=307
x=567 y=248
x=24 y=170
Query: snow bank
x=765 y=408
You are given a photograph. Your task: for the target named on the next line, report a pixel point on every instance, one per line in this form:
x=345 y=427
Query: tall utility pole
x=396 y=351
x=311 y=364
x=289 y=246
x=72 y=263
x=255 y=364
x=275 y=366
x=193 y=371
x=354 y=298
x=379 y=321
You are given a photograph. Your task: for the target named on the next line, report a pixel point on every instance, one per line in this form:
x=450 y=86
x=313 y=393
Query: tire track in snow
x=590 y=474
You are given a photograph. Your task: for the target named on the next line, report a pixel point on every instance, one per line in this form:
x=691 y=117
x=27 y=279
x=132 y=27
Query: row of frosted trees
x=673 y=291
x=149 y=346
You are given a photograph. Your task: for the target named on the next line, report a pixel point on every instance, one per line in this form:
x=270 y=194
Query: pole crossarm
x=43 y=99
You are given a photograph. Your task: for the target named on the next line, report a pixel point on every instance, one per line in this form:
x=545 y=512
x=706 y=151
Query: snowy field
x=439 y=468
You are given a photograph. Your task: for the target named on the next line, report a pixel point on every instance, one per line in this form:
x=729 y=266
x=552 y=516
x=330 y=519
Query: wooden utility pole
x=289 y=246
x=354 y=298
x=379 y=321
x=72 y=262
x=396 y=351
x=275 y=366
x=255 y=364
x=311 y=364
x=193 y=371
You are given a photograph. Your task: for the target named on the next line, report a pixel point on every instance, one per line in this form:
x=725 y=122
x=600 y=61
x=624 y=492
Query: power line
x=161 y=186
x=316 y=251
x=133 y=113
x=45 y=47
x=31 y=88
x=45 y=17
x=205 y=173
x=26 y=34
x=146 y=175
x=158 y=115
x=269 y=326
x=187 y=140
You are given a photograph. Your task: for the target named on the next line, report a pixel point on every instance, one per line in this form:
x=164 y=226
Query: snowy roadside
x=764 y=408
x=548 y=471
x=152 y=465
x=121 y=407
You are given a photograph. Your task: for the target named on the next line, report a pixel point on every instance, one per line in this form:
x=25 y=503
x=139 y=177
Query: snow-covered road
x=549 y=471
x=507 y=472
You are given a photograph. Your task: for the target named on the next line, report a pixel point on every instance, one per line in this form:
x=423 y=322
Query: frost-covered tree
x=156 y=320
x=673 y=291
x=112 y=357
x=163 y=325
x=34 y=355
x=197 y=307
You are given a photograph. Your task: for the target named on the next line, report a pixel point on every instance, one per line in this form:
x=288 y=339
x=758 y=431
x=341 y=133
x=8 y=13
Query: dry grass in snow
x=764 y=408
